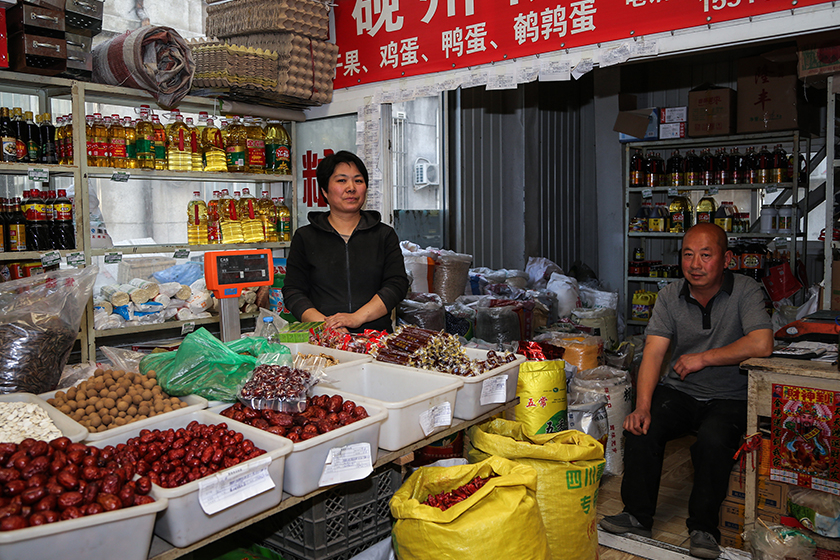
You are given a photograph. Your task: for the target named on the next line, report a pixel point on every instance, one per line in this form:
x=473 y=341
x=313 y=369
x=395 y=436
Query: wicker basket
x=239 y=17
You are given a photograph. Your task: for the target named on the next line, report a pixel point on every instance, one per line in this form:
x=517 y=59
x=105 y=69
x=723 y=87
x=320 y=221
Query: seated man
x=714 y=320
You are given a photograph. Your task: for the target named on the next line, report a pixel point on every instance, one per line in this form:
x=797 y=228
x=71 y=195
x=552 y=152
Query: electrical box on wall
x=426 y=173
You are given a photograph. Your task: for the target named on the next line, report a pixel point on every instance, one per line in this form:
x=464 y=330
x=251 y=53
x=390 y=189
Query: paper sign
x=237 y=484
x=771 y=188
x=120 y=177
x=37 y=174
x=113 y=257
x=50 y=258
x=181 y=254
x=187 y=328
x=344 y=464
x=76 y=259
x=672 y=191
x=713 y=190
x=494 y=390
x=647 y=193
x=436 y=417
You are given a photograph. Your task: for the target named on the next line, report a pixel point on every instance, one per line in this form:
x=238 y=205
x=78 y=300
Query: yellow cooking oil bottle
x=118 y=143
x=268 y=217
x=178 y=154
x=706 y=208
x=196 y=220
x=284 y=221
x=195 y=145
x=160 y=144
x=213 y=232
x=145 y=143
x=252 y=227
x=229 y=224
x=236 y=147
x=213 y=149
x=130 y=143
x=256 y=146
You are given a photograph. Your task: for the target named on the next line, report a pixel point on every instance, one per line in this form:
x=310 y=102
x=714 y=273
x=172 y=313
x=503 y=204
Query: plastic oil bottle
x=284 y=221
x=196 y=220
x=778 y=172
x=178 y=153
x=213 y=233
x=161 y=163
x=68 y=140
x=706 y=209
x=90 y=144
x=268 y=217
x=255 y=143
x=278 y=149
x=765 y=165
x=658 y=219
x=638 y=169
x=101 y=157
x=680 y=214
x=675 y=170
x=130 y=143
x=229 y=224
x=213 y=149
x=252 y=226
x=145 y=140
x=119 y=144
x=236 y=148
x=693 y=169
x=195 y=145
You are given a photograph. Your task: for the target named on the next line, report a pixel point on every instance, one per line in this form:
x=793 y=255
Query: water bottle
x=269 y=328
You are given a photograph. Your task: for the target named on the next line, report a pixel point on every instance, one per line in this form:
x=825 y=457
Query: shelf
x=162 y=550
x=144 y=249
x=164 y=326
x=667 y=234
x=712 y=141
x=195 y=176
x=17 y=82
x=651 y=279
x=34 y=255
x=721 y=187
x=23 y=168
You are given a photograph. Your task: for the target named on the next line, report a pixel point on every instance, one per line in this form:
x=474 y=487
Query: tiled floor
x=672 y=508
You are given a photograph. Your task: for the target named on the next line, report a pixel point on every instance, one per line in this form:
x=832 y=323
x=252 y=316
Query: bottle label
x=734 y=263
x=181 y=142
x=704 y=217
x=17 y=237
x=236 y=156
x=48 y=153
x=131 y=151
x=751 y=261
x=68 y=150
x=144 y=147
x=194 y=142
x=63 y=211
x=91 y=148
x=118 y=148
x=286 y=227
x=271 y=156
x=284 y=159
x=213 y=232
x=256 y=153
x=36 y=212
x=763 y=175
x=692 y=178
x=724 y=223
x=59 y=148
x=656 y=224
x=9 y=149
x=676 y=179
x=160 y=150
x=636 y=178
x=21 y=150
x=2 y=244
x=34 y=151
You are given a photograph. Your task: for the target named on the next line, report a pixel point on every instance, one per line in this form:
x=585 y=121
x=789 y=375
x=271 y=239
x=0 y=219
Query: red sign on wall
x=311 y=193
x=388 y=39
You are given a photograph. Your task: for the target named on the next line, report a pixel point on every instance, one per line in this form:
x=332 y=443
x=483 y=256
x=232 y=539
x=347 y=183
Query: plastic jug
x=642 y=305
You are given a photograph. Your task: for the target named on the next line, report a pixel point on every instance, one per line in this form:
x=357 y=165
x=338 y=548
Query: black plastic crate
x=337 y=524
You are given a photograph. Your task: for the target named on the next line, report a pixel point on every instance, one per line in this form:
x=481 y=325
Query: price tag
x=76 y=259
x=38 y=174
x=771 y=188
x=713 y=190
x=187 y=328
x=672 y=191
x=647 y=193
x=344 y=464
x=113 y=257
x=181 y=254
x=120 y=176
x=234 y=485
x=50 y=258
x=661 y=284
x=436 y=417
x=494 y=390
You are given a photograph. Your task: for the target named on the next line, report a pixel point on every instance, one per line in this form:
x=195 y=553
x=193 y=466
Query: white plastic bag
x=539 y=271
x=567 y=291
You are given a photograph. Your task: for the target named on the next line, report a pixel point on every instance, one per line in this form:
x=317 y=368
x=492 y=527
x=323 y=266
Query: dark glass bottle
x=17 y=229
x=63 y=234
x=21 y=133
x=675 y=170
x=693 y=167
x=7 y=136
x=708 y=174
x=638 y=169
x=736 y=161
x=49 y=153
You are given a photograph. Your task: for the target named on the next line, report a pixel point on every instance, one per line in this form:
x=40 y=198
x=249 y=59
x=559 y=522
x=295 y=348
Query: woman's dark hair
x=327 y=166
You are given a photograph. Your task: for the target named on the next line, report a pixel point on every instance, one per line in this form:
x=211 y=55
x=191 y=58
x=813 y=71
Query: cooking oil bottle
x=284 y=221
x=160 y=144
x=680 y=214
x=268 y=217
x=213 y=149
x=59 y=140
x=119 y=144
x=145 y=140
x=90 y=143
x=130 y=143
x=256 y=146
x=278 y=149
x=178 y=154
x=195 y=148
x=68 y=140
x=706 y=209
x=101 y=157
x=229 y=224
x=196 y=220
x=252 y=226
x=236 y=147
x=213 y=233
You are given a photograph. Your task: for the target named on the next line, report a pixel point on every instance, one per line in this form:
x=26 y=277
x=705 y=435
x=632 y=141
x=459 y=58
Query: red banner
x=388 y=39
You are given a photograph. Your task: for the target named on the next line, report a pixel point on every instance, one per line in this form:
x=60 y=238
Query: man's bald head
x=710 y=229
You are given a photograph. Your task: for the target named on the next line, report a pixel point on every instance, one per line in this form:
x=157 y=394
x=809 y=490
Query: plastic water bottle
x=269 y=328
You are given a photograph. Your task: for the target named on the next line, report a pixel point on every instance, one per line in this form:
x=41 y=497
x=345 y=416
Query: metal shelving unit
x=832 y=164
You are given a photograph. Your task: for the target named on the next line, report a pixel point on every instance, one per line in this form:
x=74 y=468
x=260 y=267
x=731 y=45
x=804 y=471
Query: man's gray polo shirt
x=736 y=310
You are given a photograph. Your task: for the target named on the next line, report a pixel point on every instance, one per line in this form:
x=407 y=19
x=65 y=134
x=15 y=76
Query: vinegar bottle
x=17 y=229
x=196 y=220
x=268 y=217
x=638 y=169
x=229 y=223
x=159 y=144
x=779 y=169
x=675 y=170
x=213 y=149
x=49 y=152
x=33 y=145
x=21 y=135
x=145 y=142
x=764 y=165
x=63 y=234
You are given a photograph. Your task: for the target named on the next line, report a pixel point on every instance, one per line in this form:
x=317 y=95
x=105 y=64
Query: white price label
x=661 y=284
x=113 y=257
x=50 y=258
x=344 y=464
x=181 y=254
x=120 y=176
x=237 y=484
x=494 y=390
x=672 y=191
x=38 y=174
x=771 y=188
x=76 y=259
x=713 y=190
x=187 y=328
x=436 y=417
x=647 y=193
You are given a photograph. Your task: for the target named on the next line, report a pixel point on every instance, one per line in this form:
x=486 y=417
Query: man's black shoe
x=624 y=523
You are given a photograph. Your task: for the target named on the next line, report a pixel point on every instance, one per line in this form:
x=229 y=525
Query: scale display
x=228 y=272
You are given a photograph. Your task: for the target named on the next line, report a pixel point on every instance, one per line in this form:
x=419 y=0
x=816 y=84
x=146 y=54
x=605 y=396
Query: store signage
x=388 y=39
x=805 y=437
x=311 y=193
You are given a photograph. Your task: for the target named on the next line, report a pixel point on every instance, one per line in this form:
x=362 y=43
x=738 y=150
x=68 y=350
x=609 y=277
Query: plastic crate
x=337 y=524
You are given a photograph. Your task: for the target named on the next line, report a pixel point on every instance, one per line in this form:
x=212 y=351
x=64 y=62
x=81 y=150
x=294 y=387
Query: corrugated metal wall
x=524 y=174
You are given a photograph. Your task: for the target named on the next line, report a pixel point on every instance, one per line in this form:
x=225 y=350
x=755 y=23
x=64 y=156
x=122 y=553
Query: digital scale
x=226 y=273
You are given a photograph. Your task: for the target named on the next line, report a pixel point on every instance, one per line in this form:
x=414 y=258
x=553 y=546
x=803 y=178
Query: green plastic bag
x=205 y=366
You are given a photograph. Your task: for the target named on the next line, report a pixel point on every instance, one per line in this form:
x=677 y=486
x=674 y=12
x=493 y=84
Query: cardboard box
x=731 y=540
x=668 y=131
x=772 y=496
x=711 y=111
x=636 y=125
x=818 y=55
x=768 y=96
x=668 y=115
x=732 y=517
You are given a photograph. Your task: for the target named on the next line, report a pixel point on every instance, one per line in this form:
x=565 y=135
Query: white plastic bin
x=343 y=356
x=405 y=392
x=69 y=427
x=195 y=403
x=184 y=522
x=305 y=463
x=124 y=533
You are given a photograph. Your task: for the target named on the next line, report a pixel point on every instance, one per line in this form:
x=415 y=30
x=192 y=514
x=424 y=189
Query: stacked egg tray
x=220 y=65
x=310 y=18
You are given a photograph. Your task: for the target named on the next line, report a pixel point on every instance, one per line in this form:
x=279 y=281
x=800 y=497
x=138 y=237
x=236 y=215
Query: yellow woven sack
x=569 y=466
x=501 y=520
x=541 y=390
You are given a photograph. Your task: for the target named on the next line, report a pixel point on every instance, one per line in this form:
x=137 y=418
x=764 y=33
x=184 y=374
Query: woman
x=346 y=267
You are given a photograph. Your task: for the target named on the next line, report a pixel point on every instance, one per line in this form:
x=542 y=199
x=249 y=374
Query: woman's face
x=347 y=189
